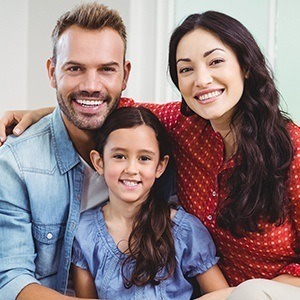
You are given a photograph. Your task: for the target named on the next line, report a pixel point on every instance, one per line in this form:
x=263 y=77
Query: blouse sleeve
x=195 y=249
x=78 y=257
x=294 y=196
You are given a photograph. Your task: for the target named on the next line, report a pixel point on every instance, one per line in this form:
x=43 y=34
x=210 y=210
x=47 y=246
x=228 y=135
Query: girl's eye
x=145 y=158
x=119 y=156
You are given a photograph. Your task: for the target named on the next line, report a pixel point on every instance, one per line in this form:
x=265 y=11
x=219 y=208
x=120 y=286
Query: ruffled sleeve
x=84 y=239
x=195 y=249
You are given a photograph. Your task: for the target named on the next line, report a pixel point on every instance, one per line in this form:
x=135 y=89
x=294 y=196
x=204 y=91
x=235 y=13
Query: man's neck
x=83 y=140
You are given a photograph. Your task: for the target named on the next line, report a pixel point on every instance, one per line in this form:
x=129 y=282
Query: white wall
x=13 y=53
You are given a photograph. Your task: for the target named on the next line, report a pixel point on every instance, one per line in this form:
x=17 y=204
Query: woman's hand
x=17 y=121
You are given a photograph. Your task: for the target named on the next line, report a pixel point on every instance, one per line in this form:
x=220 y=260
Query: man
x=43 y=182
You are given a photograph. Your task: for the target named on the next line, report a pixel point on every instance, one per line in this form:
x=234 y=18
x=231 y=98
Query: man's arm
x=16 y=121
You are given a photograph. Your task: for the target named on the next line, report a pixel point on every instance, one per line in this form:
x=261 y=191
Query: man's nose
x=91 y=82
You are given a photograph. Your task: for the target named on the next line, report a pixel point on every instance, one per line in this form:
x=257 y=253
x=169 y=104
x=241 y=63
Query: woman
x=237 y=154
x=248 y=157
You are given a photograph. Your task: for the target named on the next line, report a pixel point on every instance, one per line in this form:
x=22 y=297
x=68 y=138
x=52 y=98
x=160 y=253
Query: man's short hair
x=89 y=16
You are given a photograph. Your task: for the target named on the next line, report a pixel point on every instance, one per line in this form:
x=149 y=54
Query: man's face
x=89 y=75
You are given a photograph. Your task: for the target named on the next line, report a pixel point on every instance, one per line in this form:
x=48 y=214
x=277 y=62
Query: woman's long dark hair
x=151 y=244
x=264 y=149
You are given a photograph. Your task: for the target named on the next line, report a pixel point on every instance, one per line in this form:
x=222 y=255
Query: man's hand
x=17 y=121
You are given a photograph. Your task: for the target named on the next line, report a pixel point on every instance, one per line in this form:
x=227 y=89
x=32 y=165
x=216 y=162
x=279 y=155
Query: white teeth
x=210 y=95
x=130 y=183
x=89 y=102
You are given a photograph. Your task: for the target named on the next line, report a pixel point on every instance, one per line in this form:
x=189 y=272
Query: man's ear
x=97 y=161
x=127 y=68
x=51 y=72
x=162 y=166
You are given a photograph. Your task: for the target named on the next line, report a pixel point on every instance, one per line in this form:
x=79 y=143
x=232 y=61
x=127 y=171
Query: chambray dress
x=94 y=250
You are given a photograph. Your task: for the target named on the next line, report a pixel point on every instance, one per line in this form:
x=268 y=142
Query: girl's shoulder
x=187 y=226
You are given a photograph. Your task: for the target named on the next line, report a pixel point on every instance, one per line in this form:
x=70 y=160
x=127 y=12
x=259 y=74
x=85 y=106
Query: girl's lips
x=130 y=183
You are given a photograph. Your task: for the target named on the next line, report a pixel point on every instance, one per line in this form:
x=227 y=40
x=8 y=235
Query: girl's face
x=130 y=163
x=209 y=76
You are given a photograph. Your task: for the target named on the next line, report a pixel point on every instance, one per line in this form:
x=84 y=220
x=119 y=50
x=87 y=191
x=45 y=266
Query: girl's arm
x=83 y=283
x=16 y=121
x=213 y=284
x=212 y=280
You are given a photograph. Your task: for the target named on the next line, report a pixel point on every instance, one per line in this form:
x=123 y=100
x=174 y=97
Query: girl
x=137 y=245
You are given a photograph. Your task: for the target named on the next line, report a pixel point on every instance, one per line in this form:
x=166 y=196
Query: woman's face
x=210 y=78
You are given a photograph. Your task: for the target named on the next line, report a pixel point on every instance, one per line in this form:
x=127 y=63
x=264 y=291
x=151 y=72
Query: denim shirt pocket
x=48 y=245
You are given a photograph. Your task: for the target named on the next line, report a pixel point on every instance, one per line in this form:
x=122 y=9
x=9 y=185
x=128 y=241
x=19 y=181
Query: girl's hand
x=217 y=295
x=16 y=121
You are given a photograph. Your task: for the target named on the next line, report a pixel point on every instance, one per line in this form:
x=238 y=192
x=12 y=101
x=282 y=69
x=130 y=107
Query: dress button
x=49 y=236
x=209 y=217
x=214 y=193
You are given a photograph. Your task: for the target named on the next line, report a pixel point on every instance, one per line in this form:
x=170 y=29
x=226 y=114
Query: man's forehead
x=105 y=43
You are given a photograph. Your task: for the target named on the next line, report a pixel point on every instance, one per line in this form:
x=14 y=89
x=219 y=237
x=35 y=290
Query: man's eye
x=109 y=69
x=74 y=69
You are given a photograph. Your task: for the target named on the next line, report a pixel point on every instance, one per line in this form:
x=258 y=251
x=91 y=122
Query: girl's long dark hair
x=264 y=149
x=151 y=244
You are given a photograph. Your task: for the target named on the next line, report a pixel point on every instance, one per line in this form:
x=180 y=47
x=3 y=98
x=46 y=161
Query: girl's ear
x=97 y=161
x=162 y=166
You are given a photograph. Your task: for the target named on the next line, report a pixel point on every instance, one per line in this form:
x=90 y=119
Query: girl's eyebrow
x=145 y=151
x=204 y=55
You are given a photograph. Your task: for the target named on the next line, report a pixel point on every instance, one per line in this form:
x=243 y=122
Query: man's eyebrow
x=76 y=63
x=204 y=55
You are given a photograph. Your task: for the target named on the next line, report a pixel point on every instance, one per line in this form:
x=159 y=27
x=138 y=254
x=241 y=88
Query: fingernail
x=1 y=139
x=17 y=131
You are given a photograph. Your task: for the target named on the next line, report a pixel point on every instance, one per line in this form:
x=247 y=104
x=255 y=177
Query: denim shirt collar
x=64 y=150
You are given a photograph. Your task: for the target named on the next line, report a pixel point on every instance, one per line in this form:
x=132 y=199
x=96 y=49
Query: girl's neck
x=119 y=222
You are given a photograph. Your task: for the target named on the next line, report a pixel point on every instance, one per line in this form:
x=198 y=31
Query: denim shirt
x=40 y=193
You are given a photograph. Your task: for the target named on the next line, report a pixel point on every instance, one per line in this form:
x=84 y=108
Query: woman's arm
x=16 y=121
x=83 y=283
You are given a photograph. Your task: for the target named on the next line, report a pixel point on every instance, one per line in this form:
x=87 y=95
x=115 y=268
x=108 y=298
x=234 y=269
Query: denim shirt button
x=49 y=236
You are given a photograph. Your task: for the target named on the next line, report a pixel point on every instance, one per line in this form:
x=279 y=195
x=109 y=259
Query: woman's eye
x=184 y=70
x=217 y=61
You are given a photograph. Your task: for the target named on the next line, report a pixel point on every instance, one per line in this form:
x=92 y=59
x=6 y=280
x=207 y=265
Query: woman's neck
x=228 y=135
